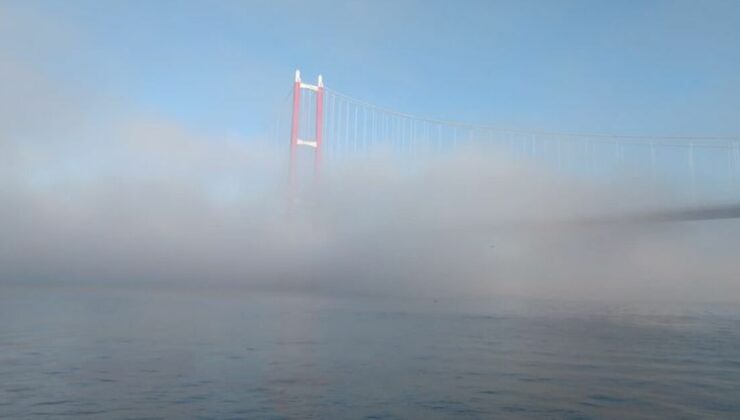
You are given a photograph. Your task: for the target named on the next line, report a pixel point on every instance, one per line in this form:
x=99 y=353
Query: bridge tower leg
x=295 y=140
x=294 y=128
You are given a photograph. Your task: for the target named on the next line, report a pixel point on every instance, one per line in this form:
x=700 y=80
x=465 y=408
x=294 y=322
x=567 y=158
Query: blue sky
x=626 y=67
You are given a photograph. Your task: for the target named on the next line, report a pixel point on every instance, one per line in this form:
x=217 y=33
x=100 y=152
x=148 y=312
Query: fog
x=95 y=192
x=156 y=205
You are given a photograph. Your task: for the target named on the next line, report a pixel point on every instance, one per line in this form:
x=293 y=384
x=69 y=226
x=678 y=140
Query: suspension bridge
x=333 y=126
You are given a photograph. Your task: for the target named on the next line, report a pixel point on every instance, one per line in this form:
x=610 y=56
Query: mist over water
x=155 y=264
x=163 y=273
x=167 y=207
x=95 y=190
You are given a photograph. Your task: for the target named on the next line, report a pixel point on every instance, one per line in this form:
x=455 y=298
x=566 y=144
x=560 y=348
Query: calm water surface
x=209 y=354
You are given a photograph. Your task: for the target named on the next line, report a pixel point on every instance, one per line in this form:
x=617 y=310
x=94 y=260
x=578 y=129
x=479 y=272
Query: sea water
x=162 y=352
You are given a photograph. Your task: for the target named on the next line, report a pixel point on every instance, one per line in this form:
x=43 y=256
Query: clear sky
x=631 y=67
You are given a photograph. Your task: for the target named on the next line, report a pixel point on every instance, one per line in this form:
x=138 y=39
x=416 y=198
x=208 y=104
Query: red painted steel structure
x=295 y=126
x=295 y=140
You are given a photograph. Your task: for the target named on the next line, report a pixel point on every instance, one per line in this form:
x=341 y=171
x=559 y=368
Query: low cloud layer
x=172 y=208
